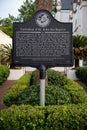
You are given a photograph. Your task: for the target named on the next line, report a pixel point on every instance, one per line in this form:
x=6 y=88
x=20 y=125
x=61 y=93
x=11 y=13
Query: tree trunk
x=47 y=5
x=76 y=63
x=43 y=4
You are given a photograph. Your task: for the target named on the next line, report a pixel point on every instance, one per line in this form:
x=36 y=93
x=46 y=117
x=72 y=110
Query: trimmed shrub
x=56 y=78
x=25 y=79
x=30 y=96
x=64 y=117
x=34 y=78
x=81 y=73
x=63 y=93
x=54 y=96
x=13 y=93
x=77 y=93
x=4 y=73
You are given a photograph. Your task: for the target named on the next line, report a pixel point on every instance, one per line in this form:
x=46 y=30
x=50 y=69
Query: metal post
x=42 y=85
x=42 y=92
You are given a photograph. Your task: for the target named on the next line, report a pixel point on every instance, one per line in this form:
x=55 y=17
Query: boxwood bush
x=4 y=73
x=25 y=79
x=56 y=78
x=54 y=95
x=63 y=117
x=81 y=73
x=58 y=92
x=13 y=93
x=78 y=95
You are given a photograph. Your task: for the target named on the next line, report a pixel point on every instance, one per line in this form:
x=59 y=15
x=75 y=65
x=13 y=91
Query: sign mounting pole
x=42 y=85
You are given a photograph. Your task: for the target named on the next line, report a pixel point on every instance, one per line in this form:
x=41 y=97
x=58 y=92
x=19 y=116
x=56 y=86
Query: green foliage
x=6 y=54
x=56 y=78
x=81 y=73
x=79 y=41
x=34 y=76
x=30 y=96
x=64 y=117
x=25 y=13
x=6 y=25
x=85 y=53
x=78 y=95
x=61 y=117
x=12 y=95
x=4 y=73
x=54 y=6
x=80 y=51
x=26 y=10
x=25 y=79
x=76 y=92
x=56 y=95
x=63 y=91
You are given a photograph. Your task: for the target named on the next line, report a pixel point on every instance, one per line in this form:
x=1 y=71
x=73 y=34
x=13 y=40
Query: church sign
x=42 y=41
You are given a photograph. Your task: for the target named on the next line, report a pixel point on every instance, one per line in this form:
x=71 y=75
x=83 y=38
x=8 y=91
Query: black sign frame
x=42 y=41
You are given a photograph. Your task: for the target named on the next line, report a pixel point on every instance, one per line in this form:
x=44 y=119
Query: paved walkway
x=3 y=89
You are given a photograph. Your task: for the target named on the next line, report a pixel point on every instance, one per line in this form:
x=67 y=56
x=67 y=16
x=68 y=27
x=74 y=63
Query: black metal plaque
x=42 y=41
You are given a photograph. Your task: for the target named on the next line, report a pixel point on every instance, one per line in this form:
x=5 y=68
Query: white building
x=64 y=10
x=80 y=17
x=74 y=11
x=5 y=39
x=64 y=14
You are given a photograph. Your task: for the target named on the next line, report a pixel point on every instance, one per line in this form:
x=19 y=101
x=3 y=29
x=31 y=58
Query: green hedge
x=54 y=96
x=25 y=79
x=4 y=73
x=58 y=92
x=56 y=78
x=13 y=93
x=81 y=73
x=65 y=117
x=78 y=95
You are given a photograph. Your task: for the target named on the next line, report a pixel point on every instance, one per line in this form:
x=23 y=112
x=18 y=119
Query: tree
x=6 y=24
x=80 y=45
x=26 y=10
x=29 y=7
x=25 y=13
x=43 y=4
x=85 y=53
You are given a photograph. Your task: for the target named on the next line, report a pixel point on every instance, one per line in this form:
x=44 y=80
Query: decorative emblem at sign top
x=43 y=19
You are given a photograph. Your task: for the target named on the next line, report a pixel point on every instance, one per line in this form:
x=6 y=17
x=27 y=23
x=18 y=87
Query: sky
x=9 y=7
x=12 y=6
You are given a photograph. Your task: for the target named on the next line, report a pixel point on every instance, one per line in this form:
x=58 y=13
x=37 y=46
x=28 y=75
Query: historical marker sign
x=42 y=41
